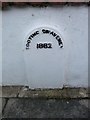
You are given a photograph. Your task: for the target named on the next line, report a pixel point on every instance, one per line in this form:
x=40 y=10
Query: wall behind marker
x=72 y=23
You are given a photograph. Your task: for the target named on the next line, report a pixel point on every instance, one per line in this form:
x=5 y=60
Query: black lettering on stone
x=49 y=45
x=34 y=34
x=59 y=42
x=45 y=45
x=27 y=48
x=27 y=45
x=30 y=38
x=53 y=34
x=28 y=41
x=45 y=31
x=57 y=37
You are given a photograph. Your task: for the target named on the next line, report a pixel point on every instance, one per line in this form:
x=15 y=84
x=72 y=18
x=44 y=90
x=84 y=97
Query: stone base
x=24 y=91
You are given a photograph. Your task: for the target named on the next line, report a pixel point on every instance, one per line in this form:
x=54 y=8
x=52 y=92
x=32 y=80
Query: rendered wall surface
x=0 y=47
x=71 y=64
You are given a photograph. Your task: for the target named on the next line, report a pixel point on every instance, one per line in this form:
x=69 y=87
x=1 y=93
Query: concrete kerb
x=11 y=91
x=0 y=91
x=25 y=92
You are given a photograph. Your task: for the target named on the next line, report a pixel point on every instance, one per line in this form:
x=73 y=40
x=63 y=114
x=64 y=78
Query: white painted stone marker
x=43 y=53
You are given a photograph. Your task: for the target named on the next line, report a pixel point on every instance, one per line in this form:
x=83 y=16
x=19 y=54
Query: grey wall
x=70 y=22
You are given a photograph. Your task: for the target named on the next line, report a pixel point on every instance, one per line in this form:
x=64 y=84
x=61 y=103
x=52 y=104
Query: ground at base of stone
x=17 y=108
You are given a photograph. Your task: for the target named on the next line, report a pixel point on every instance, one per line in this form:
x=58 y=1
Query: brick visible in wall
x=44 y=0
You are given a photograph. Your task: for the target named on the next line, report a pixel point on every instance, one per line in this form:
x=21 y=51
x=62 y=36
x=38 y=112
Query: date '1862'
x=44 y=45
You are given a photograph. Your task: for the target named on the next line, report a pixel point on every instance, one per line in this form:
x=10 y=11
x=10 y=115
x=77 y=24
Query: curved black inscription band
x=54 y=35
x=44 y=31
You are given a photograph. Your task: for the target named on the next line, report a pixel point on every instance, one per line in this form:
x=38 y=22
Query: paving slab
x=2 y=105
x=85 y=103
x=0 y=108
x=45 y=108
x=10 y=91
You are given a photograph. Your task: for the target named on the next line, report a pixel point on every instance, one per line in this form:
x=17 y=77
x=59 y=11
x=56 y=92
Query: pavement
x=45 y=108
x=21 y=102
